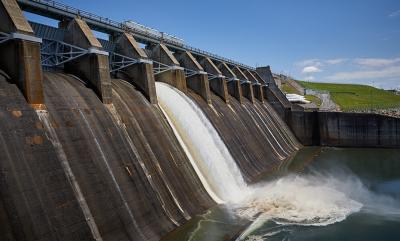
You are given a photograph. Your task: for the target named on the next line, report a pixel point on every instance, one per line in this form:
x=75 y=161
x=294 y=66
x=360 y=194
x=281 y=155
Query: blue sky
x=345 y=41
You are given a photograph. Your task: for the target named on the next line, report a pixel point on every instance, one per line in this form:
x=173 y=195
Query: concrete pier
x=259 y=89
x=20 y=56
x=256 y=83
x=140 y=75
x=197 y=81
x=218 y=84
x=258 y=92
x=234 y=87
x=174 y=76
x=247 y=87
x=93 y=67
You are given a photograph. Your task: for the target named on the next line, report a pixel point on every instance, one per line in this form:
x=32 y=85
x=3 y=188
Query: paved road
x=327 y=103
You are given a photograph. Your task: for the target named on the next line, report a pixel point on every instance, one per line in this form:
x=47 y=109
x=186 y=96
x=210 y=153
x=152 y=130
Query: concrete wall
x=335 y=128
x=266 y=74
x=345 y=129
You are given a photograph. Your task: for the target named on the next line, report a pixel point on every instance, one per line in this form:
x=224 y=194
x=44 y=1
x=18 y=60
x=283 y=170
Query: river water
x=320 y=194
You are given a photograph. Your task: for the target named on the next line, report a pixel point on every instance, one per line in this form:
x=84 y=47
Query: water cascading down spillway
x=290 y=198
x=213 y=163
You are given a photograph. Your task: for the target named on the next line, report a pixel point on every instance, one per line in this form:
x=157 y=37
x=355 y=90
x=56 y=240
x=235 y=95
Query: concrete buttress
x=234 y=87
x=218 y=83
x=175 y=76
x=198 y=80
x=259 y=91
x=247 y=88
x=93 y=68
x=140 y=75
x=257 y=88
x=20 y=55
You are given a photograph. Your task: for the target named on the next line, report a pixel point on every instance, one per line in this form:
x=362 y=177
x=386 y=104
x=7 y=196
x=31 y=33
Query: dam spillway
x=117 y=168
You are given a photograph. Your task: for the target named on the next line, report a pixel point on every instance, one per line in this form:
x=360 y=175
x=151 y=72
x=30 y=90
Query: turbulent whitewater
x=303 y=200
x=207 y=152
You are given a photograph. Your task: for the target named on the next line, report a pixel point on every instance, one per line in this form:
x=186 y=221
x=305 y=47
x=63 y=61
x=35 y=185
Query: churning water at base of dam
x=320 y=194
x=297 y=205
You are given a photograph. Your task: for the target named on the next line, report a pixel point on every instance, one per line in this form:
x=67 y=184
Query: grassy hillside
x=290 y=89
x=354 y=97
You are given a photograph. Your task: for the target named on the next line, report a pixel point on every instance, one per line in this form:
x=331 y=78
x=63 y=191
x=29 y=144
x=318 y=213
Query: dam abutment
x=340 y=129
x=336 y=129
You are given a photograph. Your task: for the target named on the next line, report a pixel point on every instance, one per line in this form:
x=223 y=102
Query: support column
x=259 y=93
x=176 y=75
x=140 y=75
x=257 y=89
x=197 y=82
x=20 y=55
x=247 y=90
x=93 y=68
x=233 y=84
x=217 y=84
x=264 y=91
x=247 y=87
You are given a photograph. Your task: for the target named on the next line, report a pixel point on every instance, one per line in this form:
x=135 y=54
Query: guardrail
x=124 y=27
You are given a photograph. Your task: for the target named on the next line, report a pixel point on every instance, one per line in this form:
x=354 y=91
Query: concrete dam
x=106 y=140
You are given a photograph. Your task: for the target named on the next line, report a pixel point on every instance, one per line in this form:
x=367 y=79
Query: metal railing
x=124 y=27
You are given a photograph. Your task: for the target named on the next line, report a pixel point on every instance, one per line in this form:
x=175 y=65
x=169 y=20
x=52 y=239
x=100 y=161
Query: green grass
x=289 y=89
x=357 y=97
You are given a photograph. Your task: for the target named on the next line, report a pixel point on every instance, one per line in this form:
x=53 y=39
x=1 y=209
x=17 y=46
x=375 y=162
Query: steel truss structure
x=159 y=68
x=119 y=61
x=55 y=53
x=4 y=37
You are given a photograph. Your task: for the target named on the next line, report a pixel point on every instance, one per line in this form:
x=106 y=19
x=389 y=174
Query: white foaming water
x=298 y=200
x=302 y=200
x=209 y=155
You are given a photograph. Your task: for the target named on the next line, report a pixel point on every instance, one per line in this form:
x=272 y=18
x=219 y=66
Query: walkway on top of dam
x=61 y=12
x=74 y=48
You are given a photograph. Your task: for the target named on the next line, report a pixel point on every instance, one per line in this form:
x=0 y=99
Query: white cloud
x=319 y=62
x=308 y=62
x=394 y=14
x=376 y=62
x=388 y=72
x=311 y=69
x=335 y=61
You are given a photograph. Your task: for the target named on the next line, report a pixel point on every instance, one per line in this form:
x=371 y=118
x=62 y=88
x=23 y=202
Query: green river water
x=320 y=194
